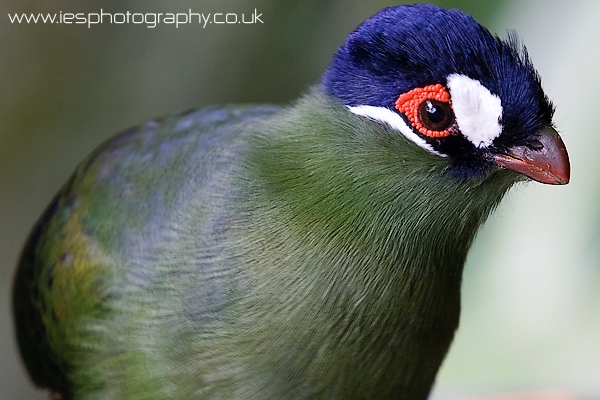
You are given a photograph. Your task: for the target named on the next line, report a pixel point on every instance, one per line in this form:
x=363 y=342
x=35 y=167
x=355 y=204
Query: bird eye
x=429 y=110
x=436 y=115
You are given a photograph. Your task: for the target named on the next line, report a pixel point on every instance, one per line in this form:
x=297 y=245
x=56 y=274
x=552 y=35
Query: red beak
x=546 y=162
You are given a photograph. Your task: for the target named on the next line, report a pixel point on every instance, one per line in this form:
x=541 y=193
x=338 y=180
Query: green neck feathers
x=364 y=236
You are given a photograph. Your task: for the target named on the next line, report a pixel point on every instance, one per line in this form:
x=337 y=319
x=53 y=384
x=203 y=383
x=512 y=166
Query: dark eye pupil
x=436 y=115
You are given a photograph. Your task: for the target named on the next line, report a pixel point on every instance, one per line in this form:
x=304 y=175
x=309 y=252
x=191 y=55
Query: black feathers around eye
x=436 y=115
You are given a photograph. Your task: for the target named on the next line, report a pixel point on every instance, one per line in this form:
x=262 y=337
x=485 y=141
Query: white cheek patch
x=394 y=120
x=477 y=110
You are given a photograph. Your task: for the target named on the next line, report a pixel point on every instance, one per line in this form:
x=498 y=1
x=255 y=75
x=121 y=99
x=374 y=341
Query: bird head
x=453 y=88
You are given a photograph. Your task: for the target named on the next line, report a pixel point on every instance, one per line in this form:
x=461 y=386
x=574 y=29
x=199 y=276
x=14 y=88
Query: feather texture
x=292 y=257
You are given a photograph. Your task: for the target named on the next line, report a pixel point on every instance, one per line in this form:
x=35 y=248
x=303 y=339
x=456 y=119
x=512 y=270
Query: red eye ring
x=409 y=103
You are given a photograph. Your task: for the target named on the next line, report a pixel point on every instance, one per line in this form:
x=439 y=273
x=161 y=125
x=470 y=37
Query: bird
x=307 y=251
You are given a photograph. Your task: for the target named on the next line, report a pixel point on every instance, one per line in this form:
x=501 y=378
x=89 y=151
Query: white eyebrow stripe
x=478 y=112
x=394 y=120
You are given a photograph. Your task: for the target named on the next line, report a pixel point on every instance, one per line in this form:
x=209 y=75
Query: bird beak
x=547 y=162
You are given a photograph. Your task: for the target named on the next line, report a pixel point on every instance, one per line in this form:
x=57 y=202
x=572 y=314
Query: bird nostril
x=535 y=145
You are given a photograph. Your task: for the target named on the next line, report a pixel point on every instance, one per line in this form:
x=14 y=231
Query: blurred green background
x=531 y=294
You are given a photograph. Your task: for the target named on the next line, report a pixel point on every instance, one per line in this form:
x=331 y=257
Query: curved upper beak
x=546 y=162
